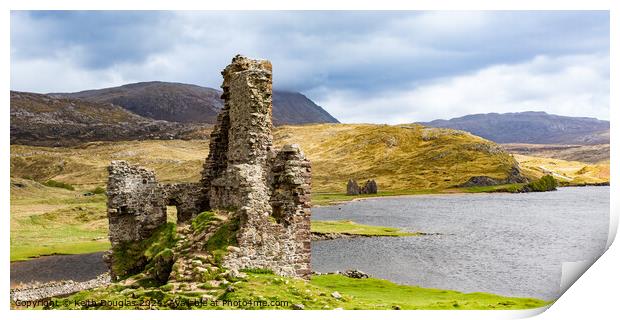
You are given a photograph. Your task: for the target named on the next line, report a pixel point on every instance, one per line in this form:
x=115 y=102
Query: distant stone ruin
x=370 y=187
x=267 y=190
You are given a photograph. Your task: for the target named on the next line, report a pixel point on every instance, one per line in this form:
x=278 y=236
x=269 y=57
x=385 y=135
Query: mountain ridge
x=190 y=103
x=536 y=127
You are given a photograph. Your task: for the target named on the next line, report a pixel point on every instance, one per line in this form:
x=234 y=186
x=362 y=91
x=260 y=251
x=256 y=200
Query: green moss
x=257 y=270
x=511 y=188
x=225 y=236
x=202 y=220
x=132 y=257
x=352 y=228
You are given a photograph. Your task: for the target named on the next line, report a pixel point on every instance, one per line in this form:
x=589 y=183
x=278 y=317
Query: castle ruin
x=267 y=189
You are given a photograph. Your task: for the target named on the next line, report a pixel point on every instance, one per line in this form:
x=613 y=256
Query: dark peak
x=189 y=103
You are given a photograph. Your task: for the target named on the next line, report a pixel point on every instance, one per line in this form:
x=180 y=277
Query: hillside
x=588 y=153
x=398 y=157
x=530 y=127
x=189 y=103
x=566 y=172
x=38 y=119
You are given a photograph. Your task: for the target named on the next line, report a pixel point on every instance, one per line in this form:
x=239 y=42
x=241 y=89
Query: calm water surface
x=508 y=244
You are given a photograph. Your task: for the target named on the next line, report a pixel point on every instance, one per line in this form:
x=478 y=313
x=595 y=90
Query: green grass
x=22 y=253
x=374 y=293
x=512 y=188
x=327 y=198
x=316 y=294
x=59 y=184
x=47 y=220
x=352 y=228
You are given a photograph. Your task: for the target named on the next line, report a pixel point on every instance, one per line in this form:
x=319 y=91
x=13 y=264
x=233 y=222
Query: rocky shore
x=41 y=291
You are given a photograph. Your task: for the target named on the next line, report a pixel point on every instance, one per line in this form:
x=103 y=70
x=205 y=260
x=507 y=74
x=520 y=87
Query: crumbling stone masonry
x=267 y=189
x=370 y=187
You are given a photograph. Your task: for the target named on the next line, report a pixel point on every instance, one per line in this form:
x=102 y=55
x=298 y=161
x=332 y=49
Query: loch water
x=508 y=244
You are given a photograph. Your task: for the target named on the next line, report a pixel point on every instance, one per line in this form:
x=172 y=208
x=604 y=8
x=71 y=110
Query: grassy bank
x=323 y=292
x=351 y=228
x=331 y=198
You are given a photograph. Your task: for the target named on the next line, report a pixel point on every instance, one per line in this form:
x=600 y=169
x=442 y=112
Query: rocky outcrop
x=262 y=195
x=514 y=176
x=370 y=187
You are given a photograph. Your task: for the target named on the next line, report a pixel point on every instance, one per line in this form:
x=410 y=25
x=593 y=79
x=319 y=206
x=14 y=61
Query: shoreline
x=446 y=192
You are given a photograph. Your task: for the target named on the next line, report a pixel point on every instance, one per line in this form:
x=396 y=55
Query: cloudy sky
x=378 y=67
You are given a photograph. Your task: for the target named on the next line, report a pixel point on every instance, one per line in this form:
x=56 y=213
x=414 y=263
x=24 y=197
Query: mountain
x=188 y=103
x=38 y=119
x=530 y=127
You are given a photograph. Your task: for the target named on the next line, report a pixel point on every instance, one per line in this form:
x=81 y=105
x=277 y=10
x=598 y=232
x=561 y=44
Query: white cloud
x=568 y=85
x=360 y=66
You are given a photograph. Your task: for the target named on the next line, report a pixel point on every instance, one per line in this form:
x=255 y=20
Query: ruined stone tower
x=267 y=190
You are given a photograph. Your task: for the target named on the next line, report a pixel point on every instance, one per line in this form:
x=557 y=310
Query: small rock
x=397 y=307
x=230 y=289
x=201 y=269
x=356 y=274
x=298 y=306
x=336 y=295
x=233 y=249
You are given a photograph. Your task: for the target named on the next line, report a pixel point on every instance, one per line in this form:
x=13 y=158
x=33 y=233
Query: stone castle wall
x=268 y=189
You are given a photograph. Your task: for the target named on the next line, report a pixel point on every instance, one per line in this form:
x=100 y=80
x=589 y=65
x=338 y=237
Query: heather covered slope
x=406 y=157
x=38 y=119
x=401 y=157
x=159 y=100
x=398 y=157
x=189 y=103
